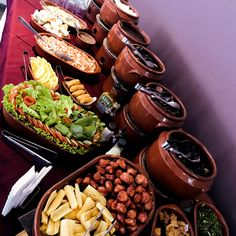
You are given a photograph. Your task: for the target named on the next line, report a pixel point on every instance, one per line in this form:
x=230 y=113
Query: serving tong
x=159 y=96
x=61 y=55
x=137 y=53
x=30 y=147
x=169 y=147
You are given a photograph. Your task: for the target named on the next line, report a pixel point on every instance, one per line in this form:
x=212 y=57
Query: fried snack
x=71 y=196
x=44 y=218
x=106 y=213
x=103 y=226
x=78 y=228
x=78 y=92
x=78 y=195
x=50 y=199
x=76 y=87
x=92 y=221
x=66 y=228
x=84 y=98
x=72 y=215
x=72 y=82
x=50 y=228
x=88 y=205
x=95 y=195
x=60 y=212
x=89 y=214
x=56 y=202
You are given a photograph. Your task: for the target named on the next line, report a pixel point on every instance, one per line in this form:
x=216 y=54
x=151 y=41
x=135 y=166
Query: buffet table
x=16 y=39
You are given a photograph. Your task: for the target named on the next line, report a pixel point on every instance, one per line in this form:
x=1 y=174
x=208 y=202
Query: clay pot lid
x=181 y=115
x=172 y=208
x=86 y=38
x=221 y=220
x=185 y=138
x=136 y=34
x=154 y=57
x=101 y=23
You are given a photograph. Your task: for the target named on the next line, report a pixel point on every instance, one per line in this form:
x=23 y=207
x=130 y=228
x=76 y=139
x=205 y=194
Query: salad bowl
x=51 y=119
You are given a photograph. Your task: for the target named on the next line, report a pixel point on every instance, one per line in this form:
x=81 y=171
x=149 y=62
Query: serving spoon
x=63 y=56
x=156 y=95
x=137 y=53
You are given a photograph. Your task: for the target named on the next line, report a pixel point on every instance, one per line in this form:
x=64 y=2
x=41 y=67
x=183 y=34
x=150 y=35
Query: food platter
x=80 y=173
x=82 y=63
x=19 y=115
x=65 y=84
x=41 y=29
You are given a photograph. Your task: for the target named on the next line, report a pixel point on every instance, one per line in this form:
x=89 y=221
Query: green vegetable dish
x=53 y=116
x=207 y=222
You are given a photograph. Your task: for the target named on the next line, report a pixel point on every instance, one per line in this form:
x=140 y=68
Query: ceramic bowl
x=92 y=11
x=66 y=65
x=171 y=174
x=99 y=30
x=169 y=209
x=224 y=226
x=132 y=132
x=150 y=116
x=111 y=13
x=79 y=173
x=125 y=29
x=131 y=71
x=84 y=41
x=40 y=29
x=105 y=57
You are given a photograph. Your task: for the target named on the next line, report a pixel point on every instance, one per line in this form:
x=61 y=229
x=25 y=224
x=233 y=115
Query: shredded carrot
x=29 y=101
x=20 y=110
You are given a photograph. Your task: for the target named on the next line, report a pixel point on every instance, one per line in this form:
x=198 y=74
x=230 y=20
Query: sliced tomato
x=29 y=101
x=20 y=110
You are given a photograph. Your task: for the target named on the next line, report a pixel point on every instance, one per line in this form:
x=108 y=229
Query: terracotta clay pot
x=114 y=85
x=126 y=29
x=131 y=71
x=123 y=121
x=160 y=194
x=224 y=226
x=169 y=209
x=150 y=116
x=170 y=173
x=99 y=30
x=110 y=13
x=105 y=57
x=92 y=11
x=84 y=41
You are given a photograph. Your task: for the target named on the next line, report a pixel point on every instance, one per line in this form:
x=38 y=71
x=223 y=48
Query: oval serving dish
x=83 y=25
x=55 y=124
x=39 y=28
x=77 y=54
x=81 y=173
x=65 y=85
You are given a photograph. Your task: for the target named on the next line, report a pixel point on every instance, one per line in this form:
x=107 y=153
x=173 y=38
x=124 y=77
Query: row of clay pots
x=171 y=179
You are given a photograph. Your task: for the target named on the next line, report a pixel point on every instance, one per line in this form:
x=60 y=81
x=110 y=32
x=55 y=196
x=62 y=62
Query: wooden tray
x=65 y=65
x=71 y=179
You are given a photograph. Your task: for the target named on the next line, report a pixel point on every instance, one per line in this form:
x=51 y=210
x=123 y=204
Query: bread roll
x=76 y=87
x=72 y=82
x=78 y=92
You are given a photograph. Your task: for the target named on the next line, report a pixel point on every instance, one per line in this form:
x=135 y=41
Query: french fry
x=43 y=227
x=78 y=195
x=95 y=195
x=106 y=213
x=72 y=215
x=66 y=228
x=60 y=212
x=89 y=214
x=101 y=233
x=56 y=227
x=88 y=205
x=81 y=234
x=50 y=228
x=78 y=228
x=69 y=190
x=56 y=202
x=88 y=223
x=103 y=226
x=44 y=218
x=50 y=199
x=84 y=197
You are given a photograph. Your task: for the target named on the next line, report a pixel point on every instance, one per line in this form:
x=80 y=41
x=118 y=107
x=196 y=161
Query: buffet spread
x=94 y=85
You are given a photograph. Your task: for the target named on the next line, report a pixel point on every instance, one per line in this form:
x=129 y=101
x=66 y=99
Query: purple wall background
x=196 y=39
